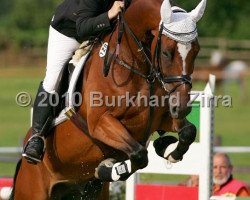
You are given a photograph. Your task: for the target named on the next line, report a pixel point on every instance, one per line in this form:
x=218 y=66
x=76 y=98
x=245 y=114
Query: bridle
x=181 y=79
x=156 y=71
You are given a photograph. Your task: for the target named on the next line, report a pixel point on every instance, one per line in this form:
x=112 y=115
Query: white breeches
x=60 y=50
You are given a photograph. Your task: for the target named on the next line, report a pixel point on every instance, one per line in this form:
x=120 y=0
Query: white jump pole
x=206 y=140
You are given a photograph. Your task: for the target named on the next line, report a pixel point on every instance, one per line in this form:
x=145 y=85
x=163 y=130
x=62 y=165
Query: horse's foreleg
x=171 y=148
x=30 y=183
x=187 y=134
x=111 y=132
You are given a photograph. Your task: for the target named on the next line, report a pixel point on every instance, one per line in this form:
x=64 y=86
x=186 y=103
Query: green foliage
x=5 y=9
x=27 y=21
x=24 y=23
x=5 y=6
x=223 y=18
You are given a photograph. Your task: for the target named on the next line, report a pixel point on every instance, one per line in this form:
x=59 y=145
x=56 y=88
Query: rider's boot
x=41 y=123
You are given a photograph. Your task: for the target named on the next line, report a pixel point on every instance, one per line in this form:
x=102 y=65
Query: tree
x=28 y=22
x=223 y=18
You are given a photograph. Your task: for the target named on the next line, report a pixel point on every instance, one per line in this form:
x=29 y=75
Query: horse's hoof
x=104 y=169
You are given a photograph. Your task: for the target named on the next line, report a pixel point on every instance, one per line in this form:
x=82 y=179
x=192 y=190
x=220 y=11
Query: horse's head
x=175 y=50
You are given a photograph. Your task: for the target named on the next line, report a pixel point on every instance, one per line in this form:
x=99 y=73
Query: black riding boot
x=41 y=123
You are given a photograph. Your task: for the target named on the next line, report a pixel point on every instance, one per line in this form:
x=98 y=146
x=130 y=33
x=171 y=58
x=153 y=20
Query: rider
x=74 y=21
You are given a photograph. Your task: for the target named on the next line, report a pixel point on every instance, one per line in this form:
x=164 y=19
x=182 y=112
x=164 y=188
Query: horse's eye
x=167 y=54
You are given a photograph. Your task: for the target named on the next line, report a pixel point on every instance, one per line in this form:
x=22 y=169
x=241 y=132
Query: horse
x=150 y=55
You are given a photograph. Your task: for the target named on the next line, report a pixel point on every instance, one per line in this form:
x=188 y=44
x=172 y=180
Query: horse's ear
x=198 y=12
x=166 y=12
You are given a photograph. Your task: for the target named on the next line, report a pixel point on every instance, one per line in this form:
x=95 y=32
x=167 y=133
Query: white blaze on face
x=183 y=50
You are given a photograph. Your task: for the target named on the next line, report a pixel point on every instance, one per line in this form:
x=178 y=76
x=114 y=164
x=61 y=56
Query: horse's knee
x=139 y=159
x=187 y=134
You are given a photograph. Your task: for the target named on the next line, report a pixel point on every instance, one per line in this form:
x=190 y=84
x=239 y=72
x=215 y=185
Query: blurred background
x=224 y=36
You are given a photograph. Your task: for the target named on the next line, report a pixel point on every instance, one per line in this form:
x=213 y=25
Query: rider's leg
x=60 y=49
x=42 y=117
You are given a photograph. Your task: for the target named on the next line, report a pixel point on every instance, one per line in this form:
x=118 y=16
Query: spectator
x=193 y=181
x=224 y=183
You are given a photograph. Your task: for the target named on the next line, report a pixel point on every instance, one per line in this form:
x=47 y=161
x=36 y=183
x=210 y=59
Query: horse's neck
x=143 y=15
x=139 y=19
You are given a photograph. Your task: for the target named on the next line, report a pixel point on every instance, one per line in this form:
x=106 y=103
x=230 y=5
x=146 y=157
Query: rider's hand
x=116 y=8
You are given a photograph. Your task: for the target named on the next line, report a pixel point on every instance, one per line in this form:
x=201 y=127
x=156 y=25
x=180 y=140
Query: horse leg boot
x=187 y=135
x=111 y=170
x=41 y=123
x=172 y=149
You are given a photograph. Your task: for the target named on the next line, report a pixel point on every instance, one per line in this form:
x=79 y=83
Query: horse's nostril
x=174 y=109
x=179 y=112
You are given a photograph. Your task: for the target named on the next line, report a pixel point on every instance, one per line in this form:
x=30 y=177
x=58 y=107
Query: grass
x=231 y=124
x=15 y=120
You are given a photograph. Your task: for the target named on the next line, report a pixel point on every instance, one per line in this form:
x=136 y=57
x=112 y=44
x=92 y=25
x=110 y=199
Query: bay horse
x=157 y=50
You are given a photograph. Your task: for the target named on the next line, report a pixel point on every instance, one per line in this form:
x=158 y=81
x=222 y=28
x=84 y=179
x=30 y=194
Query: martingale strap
x=108 y=59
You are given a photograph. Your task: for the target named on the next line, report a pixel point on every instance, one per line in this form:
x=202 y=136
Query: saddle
x=70 y=82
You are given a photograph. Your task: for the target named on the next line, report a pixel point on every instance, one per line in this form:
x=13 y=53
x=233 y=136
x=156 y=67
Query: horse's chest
x=135 y=120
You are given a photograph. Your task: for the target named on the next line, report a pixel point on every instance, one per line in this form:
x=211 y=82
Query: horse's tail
x=14 y=182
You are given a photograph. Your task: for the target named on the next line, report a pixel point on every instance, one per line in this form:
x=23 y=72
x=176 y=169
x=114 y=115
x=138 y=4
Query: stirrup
x=31 y=159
